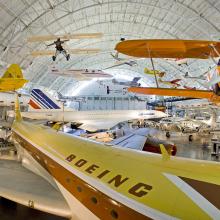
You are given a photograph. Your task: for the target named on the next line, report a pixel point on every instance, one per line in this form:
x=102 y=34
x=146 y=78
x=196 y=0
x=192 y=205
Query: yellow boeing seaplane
x=12 y=79
x=175 y=49
x=81 y=179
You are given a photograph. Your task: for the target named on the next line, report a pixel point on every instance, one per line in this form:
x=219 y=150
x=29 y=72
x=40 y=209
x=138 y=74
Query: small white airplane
x=80 y=74
x=201 y=77
x=44 y=107
x=178 y=61
x=121 y=61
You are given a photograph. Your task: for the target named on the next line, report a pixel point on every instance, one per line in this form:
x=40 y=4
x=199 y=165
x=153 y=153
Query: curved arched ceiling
x=187 y=19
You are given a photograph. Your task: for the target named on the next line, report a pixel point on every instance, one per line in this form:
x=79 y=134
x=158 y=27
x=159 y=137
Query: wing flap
x=24 y=187
x=131 y=141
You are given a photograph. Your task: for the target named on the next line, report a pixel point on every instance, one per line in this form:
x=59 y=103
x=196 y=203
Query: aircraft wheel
x=67 y=57
x=168 y=134
x=54 y=58
x=190 y=137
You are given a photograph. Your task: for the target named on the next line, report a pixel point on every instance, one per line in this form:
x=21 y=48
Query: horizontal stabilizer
x=13 y=71
x=24 y=187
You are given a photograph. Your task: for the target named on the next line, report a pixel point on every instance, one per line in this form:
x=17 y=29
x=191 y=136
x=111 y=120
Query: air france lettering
x=139 y=189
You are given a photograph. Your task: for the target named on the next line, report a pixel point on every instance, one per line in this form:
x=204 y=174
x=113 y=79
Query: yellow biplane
x=59 y=41
x=163 y=48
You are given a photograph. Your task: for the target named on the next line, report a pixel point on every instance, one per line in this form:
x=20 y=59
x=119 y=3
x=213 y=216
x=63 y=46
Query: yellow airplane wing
x=151 y=72
x=114 y=183
x=71 y=51
x=163 y=48
x=201 y=94
x=65 y=37
x=12 y=79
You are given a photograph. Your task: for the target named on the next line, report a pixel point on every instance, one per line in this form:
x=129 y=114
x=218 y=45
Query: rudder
x=41 y=100
x=13 y=71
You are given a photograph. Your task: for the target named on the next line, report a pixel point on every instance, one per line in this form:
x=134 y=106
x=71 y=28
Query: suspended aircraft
x=59 y=41
x=174 y=49
x=132 y=83
x=44 y=107
x=173 y=83
x=201 y=77
x=80 y=179
x=12 y=79
x=190 y=88
x=213 y=78
x=153 y=72
x=122 y=61
x=178 y=61
x=80 y=74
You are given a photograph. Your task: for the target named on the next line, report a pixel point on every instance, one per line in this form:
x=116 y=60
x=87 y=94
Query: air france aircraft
x=81 y=179
x=44 y=107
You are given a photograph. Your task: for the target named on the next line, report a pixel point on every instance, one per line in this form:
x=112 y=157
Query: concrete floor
x=10 y=210
x=200 y=148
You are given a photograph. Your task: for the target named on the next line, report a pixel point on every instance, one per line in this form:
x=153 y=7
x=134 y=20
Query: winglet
x=17 y=108
x=57 y=126
x=164 y=152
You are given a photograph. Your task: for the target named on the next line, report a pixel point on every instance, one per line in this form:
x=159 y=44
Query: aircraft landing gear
x=53 y=58
x=67 y=57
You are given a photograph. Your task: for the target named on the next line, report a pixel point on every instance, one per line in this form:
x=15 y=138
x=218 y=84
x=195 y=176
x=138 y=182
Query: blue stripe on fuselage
x=39 y=100
x=46 y=99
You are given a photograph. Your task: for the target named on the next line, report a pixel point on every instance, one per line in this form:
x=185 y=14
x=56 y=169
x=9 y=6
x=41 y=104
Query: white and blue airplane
x=44 y=107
